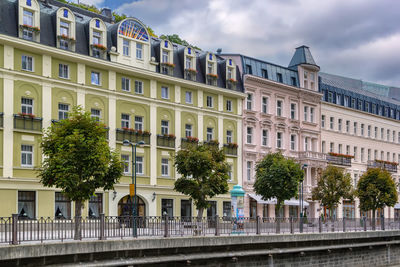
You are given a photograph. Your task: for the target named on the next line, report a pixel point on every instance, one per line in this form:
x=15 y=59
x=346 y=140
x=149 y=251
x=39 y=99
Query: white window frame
x=279 y=140
x=279 y=106
x=139 y=124
x=139 y=51
x=210 y=134
x=229 y=136
x=188 y=130
x=95 y=113
x=210 y=101
x=125 y=120
x=264 y=137
x=164 y=167
x=93 y=75
x=164 y=127
x=126 y=164
x=27 y=63
x=126 y=47
x=138 y=87
x=229 y=105
x=293 y=142
x=249 y=135
x=63 y=110
x=249 y=101
x=27 y=155
x=126 y=84
x=27 y=108
x=139 y=168
x=63 y=71
x=293 y=109
x=305 y=113
x=312 y=114
x=249 y=169
x=189 y=97
x=164 y=92
x=264 y=104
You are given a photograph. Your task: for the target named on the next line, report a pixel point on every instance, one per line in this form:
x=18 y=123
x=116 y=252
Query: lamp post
x=301 y=199
x=133 y=200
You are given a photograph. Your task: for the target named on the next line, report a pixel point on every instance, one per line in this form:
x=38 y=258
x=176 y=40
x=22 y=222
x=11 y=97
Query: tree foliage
x=332 y=186
x=204 y=174
x=376 y=190
x=174 y=38
x=277 y=177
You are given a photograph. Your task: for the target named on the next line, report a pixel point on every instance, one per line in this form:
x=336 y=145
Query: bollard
x=166 y=231
x=344 y=224
x=365 y=223
x=216 y=225
x=382 y=223
x=291 y=225
x=320 y=224
x=102 y=226
x=301 y=224
x=258 y=225
x=14 y=229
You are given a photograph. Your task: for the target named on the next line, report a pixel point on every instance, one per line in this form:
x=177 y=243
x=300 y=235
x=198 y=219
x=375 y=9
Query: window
x=249 y=135
x=188 y=62
x=293 y=111
x=374 y=108
x=95 y=205
x=62 y=206
x=95 y=78
x=376 y=132
x=359 y=104
x=226 y=209
x=188 y=97
x=398 y=137
x=28 y=18
x=249 y=169
x=229 y=138
x=330 y=97
x=26 y=155
x=186 y=209
x=369 y=131
x=139 y=165
x=165 y=56
x=126 y=84
x=369 y=154
x=164 y=167
x=388 y=135
x=138 y=87
x=26 y=204
x=96 y=37
x=338 y=98
x=210 y=134
x=331 y=147
x=279 y=140
x=138 y=123
x=64 y=28
x=228 y=105
x=355 y=128
x=362 y=154
x=126 y=163
x=96 y=114
x=346 y=101
x=347 y=126
x=164 y=127
x=63 y=71
x=323 y=147
x=355 y=153
x=63 y=111
x=125 y=121
x=27 y=105
x=188 y=130
x=210 y=103
x=165 y=92
x=249 y=101
x=293 y=142
x=139 y=51
x=393 y=136
x=340 y=150
x=264 y=73
x=353 y=103
x=367 y=106
x=375 y=154
x=210 y=67
x=347 y=150
x=27 y=63
x=265 y=137
x=279 y=108
x=331 y=123
x=362 y=129
x=339 y=125
x=323 y=121
x=167 y=207
x=230 y=172
x=311 y=114
x=382 y=135
x=294 y=82
x=265 y=105
x=305 y=113
x=125 y=48
x=279 y=77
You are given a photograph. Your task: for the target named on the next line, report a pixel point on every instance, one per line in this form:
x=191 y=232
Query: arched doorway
x=125 y=206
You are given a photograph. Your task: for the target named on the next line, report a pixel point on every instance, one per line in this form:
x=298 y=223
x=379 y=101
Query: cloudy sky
x=354 y=38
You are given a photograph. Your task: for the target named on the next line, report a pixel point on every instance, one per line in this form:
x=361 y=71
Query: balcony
x=133 y=136
x=311 y=155
x=190 y=74
x=212 y=143
x=384 y=165
x=186 y=142
x=231 y=84
x=230 y=149
x=339 y=159
x=166 y=141
x=27 y=122
x=167 y=68
x=1 y=119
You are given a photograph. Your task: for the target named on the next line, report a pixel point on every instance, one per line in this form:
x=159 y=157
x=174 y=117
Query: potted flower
x=147 y=133
x=26 y=115
x=232 y=145
x=212 y=75
x=192 y=139
x=341 y=155
x=100 y=46
x=192 y=71
x=29 y=27
x=168 y=64
x=232 y=81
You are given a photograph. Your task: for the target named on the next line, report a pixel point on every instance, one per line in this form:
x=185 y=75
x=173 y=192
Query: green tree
x=277 y=177
x=204 y=174
x=78 y=159
x=332 y=186
x=376 y=189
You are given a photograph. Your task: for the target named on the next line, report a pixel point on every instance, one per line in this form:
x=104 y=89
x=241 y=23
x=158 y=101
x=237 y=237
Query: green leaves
x=332 y=186
x=376 y=189
x=204 y=173
x=77 y=157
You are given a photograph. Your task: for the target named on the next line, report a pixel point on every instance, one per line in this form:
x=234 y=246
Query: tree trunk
x=200 y=214
x=332 y=219
x=78 y=220
x=373 y=220
x=277 y=219
x=198 y=221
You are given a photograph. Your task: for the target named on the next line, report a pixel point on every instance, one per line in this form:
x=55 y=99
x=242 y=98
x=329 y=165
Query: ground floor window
x=186 y=209
x=26 y=204
x=95 y=205
x=293 y=211
x=329 y=213
x=226 y=209
x=253 y=209
x=167 y=207
x=348 y=209
x=62 y=206
x=265 y=211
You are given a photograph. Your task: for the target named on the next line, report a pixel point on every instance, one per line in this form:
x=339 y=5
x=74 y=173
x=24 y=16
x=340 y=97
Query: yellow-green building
x=54 y=56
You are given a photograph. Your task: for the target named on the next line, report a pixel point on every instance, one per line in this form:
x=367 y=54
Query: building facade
x=54 y=56
x=281 y=113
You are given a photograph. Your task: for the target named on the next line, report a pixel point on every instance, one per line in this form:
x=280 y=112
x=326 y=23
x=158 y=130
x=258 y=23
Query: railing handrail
x=17 y=116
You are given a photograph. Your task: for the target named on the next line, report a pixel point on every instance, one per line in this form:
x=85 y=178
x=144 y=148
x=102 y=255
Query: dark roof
x=302 y=56
x=48 y=9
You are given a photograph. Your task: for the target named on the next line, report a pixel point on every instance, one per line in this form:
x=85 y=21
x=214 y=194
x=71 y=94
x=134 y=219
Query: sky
x=353 y=38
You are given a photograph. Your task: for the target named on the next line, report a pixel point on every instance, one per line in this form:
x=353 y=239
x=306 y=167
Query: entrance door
x=125 y=207
x=211 y=213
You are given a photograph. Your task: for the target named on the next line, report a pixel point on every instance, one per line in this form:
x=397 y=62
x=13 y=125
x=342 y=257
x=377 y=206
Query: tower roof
x=302 y=56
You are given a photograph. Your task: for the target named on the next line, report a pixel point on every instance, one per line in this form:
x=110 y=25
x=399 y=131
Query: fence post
x=291 y=225
x=365 y=223
x=320 y=224
x=258 y=225
x=382 y=223
x=301 y=224
x=14 y=229
x=216 y=225
x=166 y=231
x=102 y=224
x=344 y=224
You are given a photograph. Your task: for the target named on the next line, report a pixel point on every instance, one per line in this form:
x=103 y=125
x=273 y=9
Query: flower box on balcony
x=211 y=143
x=212 y=75
x=232 y=81
x=340 y=155
x=25 y=121
x=133 y=135
x=167 y=140
x=386 y=162
x=168 y=64
x=29 y=27
x=100 y=47
x=231 y=149
x=190 y=140
x=66 y=37
x=191 y=71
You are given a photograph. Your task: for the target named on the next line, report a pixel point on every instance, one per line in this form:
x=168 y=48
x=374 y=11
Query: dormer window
x=188 y=63
x=190 y=66
x=65 y=29
x=165 y=57
x=29 y=20
x=230 y=74
x=210 y=68
x=166 y=64
x=98 y=38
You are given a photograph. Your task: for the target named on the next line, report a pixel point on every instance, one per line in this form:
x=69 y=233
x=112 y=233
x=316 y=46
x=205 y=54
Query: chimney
x=106 y=12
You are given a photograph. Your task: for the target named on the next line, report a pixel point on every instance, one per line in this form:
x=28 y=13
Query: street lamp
x=301 y=200
x=133 y=200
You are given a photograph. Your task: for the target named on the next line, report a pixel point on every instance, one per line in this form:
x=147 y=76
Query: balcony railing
x=338 y=160
x=185 y=143
x=212 y=143
x=165 y=141
x=230 y=150
x=1 y=119
x=167 y=68
x=190 y=74
x=132 y=136
x=391 y=167
x=26 y=122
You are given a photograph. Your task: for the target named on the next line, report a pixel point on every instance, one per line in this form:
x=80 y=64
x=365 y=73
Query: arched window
x=65 y=29
x=97 y=38
x=29 y=20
